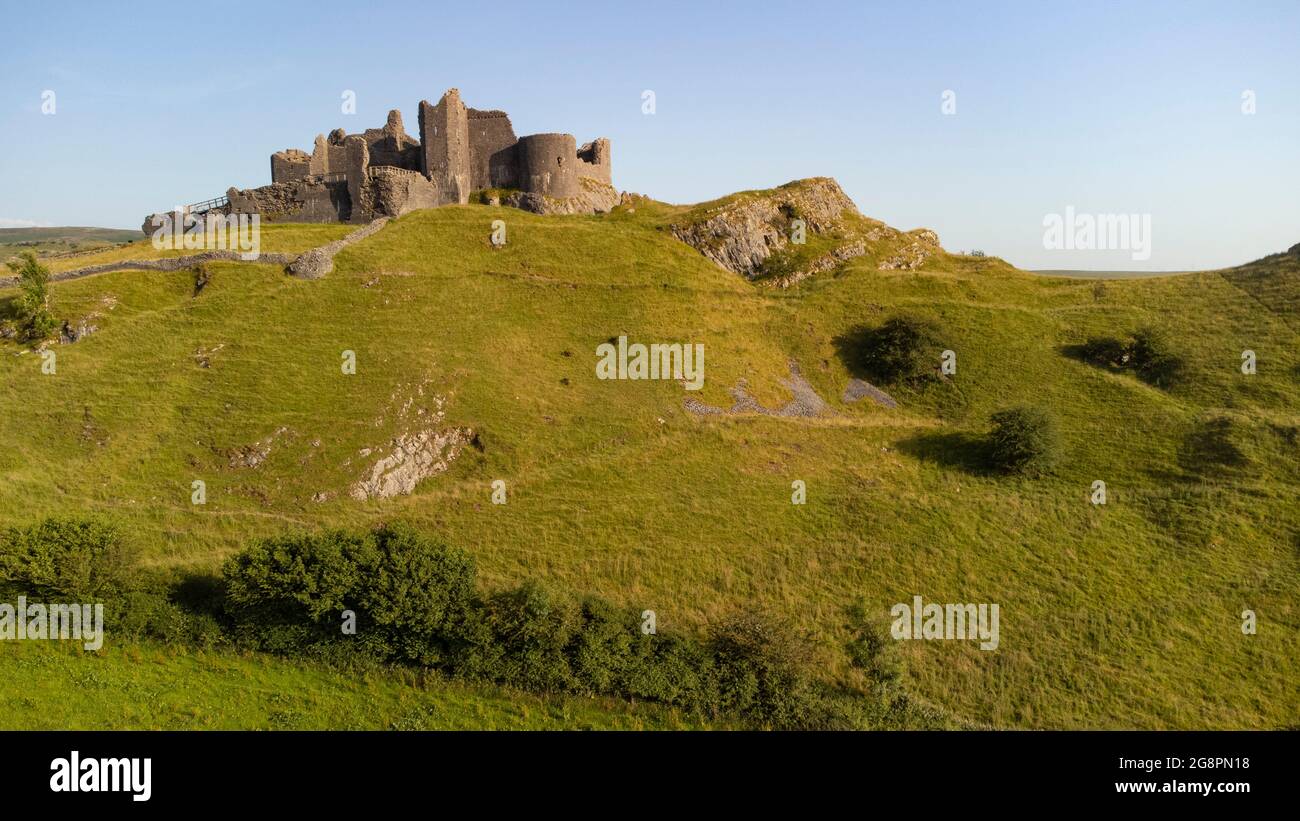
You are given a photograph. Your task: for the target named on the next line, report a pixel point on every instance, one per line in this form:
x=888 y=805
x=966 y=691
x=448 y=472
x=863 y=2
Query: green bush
x=84 y=560
x=415 y=602
x=903 y=349
x=406 y=590
x=1151 y=357
x=1024 y=440
x=33 y=301
x=761 y=669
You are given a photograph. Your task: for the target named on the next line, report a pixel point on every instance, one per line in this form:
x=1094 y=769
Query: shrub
x=33 y=301
x=903 y=349
x=874 y=651
x=406 y=590
x=1150 y=356
x=1024 y=440
x=81 y=560
x=761 y=671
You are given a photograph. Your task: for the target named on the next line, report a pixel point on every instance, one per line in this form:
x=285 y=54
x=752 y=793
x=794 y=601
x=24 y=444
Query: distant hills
x=61 y=240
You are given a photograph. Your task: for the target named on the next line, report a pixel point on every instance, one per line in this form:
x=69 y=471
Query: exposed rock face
x=741 y=234
x=413 y=457
x=1295 y=250
x=925 y=244
x=826 y=262
x=594 y=197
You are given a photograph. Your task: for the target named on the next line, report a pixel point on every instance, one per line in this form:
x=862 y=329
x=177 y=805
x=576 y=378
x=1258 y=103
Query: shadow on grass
x=967 y=452
x=852 y=348
x=1146 y=358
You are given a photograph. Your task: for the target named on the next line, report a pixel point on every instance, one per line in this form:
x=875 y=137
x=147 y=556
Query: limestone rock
x=412 y=457
x=742 y=233
x=594 y=197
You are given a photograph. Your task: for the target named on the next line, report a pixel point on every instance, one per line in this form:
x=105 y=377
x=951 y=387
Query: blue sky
x=1132 y=107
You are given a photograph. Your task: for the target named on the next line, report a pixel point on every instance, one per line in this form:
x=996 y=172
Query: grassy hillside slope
x=1126 y=615
x=155 y=687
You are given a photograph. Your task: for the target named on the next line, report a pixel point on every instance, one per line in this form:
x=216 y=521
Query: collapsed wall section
x=391 y=145
x=290 y=164
x=593 y=161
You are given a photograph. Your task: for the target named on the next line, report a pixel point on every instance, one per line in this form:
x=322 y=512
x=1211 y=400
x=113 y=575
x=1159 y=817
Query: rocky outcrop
x=826 y=262
x=412 y=458
x=742 y=232
x=924 y=245
x=71 y=332
x=594 y=197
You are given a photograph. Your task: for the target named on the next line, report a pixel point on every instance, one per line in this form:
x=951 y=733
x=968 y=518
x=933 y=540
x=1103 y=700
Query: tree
x=33 y=297
x=904 y=349
x=1025 y=440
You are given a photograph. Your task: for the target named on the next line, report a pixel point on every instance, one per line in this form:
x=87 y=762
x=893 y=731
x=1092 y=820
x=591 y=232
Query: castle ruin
x=385 y=172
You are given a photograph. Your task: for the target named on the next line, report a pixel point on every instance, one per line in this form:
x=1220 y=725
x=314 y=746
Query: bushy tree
x=407 y=591
x=1152 y=357
x=83 y=560
x=903 y=349
x=1024 y=440
x=33 y=298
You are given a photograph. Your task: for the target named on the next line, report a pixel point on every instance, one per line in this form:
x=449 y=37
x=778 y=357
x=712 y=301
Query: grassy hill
x=1123 y=615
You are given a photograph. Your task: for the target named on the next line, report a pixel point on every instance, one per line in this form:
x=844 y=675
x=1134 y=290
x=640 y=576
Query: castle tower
x=445 y=147
x=548 y=165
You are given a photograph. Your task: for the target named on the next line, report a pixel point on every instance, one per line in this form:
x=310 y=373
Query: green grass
x=155 y=687
x=1119 y=616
